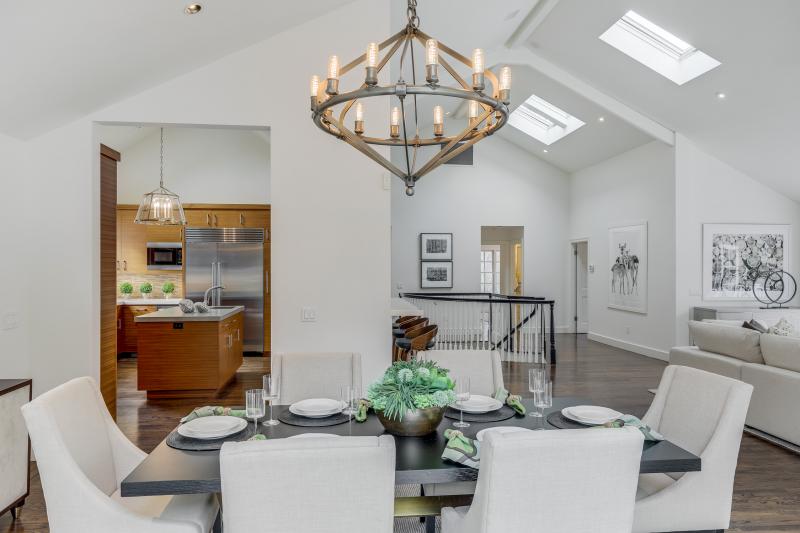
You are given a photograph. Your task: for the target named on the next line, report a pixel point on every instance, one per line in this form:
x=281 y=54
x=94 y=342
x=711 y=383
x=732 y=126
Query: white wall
x=14 y=355
x=322 y=214
x=505 y=187
x=202 y=165
x=635 y=186
x=710 y=191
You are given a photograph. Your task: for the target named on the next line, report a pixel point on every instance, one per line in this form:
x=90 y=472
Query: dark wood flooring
x=767 y=489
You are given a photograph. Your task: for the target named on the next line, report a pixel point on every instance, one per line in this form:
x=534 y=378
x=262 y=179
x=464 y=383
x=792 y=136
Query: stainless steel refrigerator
x=234 y=258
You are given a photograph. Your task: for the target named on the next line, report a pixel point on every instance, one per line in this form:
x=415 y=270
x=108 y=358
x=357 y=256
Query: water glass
x=462 y=395
x=271 y=393
x=349 y=397
x=543 y=399
x=254 y=406
x=537 y=379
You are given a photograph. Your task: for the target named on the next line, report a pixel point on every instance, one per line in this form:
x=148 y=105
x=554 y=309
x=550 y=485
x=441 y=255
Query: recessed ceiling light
x=545 y=150
x=193 y=9
x=601 y=119
x=721 y=96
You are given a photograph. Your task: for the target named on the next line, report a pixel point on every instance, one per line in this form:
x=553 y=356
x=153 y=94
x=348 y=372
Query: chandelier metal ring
x=488 y=102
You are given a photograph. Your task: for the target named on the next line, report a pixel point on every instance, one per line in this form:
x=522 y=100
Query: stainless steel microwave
x=164 y=256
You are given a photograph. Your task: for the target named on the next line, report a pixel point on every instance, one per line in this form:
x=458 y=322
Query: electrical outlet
x=10 y=321
x=308 y=314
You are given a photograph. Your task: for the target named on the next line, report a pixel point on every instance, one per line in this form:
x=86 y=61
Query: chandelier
x=488 y=103
x=161 y=207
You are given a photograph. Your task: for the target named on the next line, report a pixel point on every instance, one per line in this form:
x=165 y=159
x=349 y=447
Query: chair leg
x=430 y=524
x=218 y=523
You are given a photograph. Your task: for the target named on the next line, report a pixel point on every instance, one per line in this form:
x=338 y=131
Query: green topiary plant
x=409 y=385
x=168 y=288
x=146 y=287
x=126 y=288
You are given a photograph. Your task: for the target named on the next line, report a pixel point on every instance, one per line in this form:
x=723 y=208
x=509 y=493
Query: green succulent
x=146 y=287
x=168 y=287
x=126 y=287
x=408 y=385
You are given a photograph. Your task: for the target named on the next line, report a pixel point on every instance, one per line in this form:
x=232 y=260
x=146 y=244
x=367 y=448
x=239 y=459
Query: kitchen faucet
x=208 y=293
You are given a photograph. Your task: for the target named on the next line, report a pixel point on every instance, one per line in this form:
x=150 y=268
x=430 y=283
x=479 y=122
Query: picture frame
x=436 y=274
x=436 y=246
x=734 y=253
x=628 y=267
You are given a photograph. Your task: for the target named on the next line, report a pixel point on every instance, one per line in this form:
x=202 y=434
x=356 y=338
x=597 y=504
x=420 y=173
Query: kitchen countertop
x=148 y=301
x=174 y=314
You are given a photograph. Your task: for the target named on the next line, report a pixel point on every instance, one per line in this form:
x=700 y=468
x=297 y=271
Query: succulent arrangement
x=168 y=287
x=146 y=287
x=409 y=385
x=126 y=288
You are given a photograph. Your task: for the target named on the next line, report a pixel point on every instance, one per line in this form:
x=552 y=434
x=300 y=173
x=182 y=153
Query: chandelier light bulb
x=333 y=76
x=372 y=55
x=314 y=86
x=394 y=126
x=438 y=121
x=474 y=111
x=359 y=126
x=477 y=61
x=505 y=84
x=431 y=52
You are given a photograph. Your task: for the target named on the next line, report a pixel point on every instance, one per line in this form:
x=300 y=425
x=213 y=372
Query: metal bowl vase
x=415 y=423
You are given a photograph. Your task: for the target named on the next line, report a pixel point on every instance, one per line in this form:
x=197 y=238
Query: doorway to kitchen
x=580 y=286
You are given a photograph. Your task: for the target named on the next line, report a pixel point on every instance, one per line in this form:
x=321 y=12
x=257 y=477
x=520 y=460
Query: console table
x=15 y=447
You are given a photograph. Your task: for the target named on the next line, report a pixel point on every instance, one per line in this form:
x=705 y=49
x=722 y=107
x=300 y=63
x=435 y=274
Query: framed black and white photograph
x=627 y=255
x=735 y=254
x=436 y=246
x=436 y=275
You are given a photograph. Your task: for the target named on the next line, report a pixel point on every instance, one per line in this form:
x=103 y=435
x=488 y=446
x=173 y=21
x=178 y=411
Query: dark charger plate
x=504 y=413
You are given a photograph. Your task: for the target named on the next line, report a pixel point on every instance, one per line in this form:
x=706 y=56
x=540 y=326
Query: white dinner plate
x=316 y=407
x=212 y=427
x=590 y=415
x=499 y=429
x=478 y=404
x=312 y=435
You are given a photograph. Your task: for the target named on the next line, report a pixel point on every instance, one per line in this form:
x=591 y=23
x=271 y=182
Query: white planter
x=145 y=295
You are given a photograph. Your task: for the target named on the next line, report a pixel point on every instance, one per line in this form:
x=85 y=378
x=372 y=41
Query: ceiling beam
x=526 y=56
x=532 y=20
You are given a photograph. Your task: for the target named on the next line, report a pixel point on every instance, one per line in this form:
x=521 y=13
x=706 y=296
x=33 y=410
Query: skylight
x=658 y=49
x=543 y=121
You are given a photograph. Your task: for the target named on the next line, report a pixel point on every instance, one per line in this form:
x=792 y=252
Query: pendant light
x=161 y=207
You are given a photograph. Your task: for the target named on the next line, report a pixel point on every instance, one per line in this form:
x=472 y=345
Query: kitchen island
x=188 y=355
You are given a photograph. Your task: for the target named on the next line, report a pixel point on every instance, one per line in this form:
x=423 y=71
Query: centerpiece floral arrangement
x=409 y=385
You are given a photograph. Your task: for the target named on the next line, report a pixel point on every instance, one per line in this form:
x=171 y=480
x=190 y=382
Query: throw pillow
x=756 y=325
x=784 y=328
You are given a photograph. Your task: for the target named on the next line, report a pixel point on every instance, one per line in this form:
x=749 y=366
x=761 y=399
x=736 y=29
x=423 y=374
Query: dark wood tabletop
x=167 y=471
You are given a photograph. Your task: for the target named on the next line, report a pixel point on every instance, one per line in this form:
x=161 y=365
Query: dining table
x=170 y=471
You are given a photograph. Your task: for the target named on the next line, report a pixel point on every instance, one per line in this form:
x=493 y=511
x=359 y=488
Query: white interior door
x=582 y=286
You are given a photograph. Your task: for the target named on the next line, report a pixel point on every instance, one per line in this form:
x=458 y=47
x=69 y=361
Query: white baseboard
x=655 y=353
x=565 y=329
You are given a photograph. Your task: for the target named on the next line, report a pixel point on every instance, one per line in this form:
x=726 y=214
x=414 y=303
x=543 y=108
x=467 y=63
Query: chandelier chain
x=411 y=12
x=162 y=158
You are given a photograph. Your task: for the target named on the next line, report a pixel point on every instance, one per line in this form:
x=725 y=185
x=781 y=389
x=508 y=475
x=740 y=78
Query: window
x=658 y=49
x=543 y=121
x=490 y=269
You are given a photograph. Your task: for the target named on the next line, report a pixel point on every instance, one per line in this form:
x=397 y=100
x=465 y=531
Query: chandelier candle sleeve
x=333 y=76
x=505 y=84
x=432 y=61
x=314 y=89
x=394 y=126
x=371 y=63
x=438 y=121
x=478 y=67
x=359 y=126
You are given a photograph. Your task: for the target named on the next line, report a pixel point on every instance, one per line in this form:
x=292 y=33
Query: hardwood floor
x=767 y=487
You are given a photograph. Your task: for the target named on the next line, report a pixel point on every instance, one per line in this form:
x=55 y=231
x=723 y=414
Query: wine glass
x=543 y=399
x=537 y=378
x=462 y=395
x=254 y=406
x=271 y=393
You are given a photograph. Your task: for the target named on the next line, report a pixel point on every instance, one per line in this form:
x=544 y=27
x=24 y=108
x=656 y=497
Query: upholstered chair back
x=557 y=482
x=481 y=366
x=309 y=485
x=315 y=375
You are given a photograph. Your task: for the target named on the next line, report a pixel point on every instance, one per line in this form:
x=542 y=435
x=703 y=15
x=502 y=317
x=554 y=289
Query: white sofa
x=770 y=363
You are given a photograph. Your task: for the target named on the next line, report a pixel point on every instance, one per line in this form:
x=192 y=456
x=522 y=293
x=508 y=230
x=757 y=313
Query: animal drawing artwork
x=625 y=272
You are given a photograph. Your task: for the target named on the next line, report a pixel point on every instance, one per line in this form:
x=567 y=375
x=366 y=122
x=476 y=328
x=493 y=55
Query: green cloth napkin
x=258 y=436
x=630 y=420
x=461 y=449
x=363 y=409
x=514 y=401
x=212 y=410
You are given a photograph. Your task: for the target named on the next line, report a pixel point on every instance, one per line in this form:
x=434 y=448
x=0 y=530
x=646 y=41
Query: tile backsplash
x=156 y=279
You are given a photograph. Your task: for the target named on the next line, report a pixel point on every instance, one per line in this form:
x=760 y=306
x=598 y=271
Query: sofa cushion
x=776 y=395
x=739 y=343
x=710 y=362
x=781 y=352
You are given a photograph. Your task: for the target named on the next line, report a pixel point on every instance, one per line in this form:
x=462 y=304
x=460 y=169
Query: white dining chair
x=310 y=485
x=703 y=413
x=571 y=481
x=485 y=374
x=482 y=367
x=82 y=457
x=315 y=375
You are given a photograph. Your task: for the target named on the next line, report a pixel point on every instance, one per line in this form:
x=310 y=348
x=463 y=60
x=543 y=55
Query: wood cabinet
x=127 y=339
x=227 y=216
x=131 y=242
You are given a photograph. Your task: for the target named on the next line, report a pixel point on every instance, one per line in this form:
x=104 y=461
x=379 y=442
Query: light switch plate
x=308 y=314
x=591 y=269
